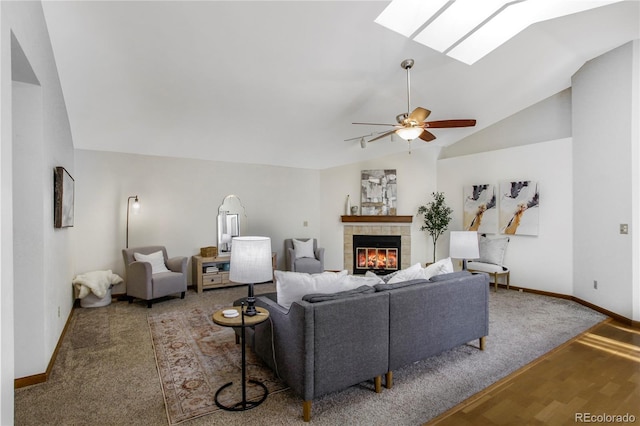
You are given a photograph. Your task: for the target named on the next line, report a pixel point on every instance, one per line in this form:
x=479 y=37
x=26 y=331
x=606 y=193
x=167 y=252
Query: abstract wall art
x=379 y=192
x=480 y=211
x=519 y=207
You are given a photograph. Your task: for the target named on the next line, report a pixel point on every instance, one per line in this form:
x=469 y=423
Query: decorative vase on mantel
x=347 y=206
x=354 y=210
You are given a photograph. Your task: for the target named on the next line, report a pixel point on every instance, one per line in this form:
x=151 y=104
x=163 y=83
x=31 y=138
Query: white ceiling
x=281 y=82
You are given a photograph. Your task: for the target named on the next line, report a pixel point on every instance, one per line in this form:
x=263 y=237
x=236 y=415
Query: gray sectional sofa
x=326 y=343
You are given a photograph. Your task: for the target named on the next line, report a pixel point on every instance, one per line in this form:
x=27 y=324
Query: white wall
x=179 y=201
x=416 y=181
x=540 y=262
x=50 y=302
x=603 y=113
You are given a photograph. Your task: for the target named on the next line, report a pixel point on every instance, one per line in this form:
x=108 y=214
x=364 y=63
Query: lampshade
x=251 y=260
x=136 y=205
x=464 y=245
x=409 y=133
x=226 y=238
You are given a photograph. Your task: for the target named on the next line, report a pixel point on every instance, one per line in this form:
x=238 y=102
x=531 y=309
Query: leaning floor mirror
x=232 y=222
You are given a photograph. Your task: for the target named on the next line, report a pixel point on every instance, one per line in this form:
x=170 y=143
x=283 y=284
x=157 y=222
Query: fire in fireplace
x=377 y=253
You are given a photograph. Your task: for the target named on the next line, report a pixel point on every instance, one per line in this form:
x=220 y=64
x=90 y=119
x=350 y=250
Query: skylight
x=467 y=30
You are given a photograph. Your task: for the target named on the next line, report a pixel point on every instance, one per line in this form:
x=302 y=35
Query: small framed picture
x=63 y=196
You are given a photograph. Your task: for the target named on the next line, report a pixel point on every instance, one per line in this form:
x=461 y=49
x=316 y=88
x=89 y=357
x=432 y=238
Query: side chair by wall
x=151 y=274
x=303 y=255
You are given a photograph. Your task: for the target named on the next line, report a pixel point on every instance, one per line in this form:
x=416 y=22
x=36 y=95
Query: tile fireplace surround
x=365 y=225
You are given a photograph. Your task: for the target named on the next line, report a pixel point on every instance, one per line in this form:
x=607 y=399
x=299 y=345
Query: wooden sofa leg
x=495 y=281
x=306 y=411
x=483 y=341
x=388 y=379
x=377 y=382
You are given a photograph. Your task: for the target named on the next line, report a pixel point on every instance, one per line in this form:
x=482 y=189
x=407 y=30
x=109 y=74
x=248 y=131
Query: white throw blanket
x=96 y=282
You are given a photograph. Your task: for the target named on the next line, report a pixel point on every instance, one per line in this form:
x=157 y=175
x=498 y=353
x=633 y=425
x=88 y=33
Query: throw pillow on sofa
x=411 y=273
x=443 y=266
x=292 y=286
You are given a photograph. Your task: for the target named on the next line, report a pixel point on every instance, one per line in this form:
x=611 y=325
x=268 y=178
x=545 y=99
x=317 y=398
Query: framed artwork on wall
x=63 y=198
x=519 y=207
x=379 y=195
x=480 y=211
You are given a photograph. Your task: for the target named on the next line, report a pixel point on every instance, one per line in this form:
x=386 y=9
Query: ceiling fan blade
x=441 y=124
x=376 y=124
x=427 y=136
x=384 y=135
x=419 y=114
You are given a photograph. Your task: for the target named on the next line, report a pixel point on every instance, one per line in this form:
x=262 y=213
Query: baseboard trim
x=626 y=321
x=35 y=379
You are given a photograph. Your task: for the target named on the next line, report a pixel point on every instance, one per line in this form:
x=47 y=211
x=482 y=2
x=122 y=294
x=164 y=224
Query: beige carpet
x=106 y=373
x=196 y=357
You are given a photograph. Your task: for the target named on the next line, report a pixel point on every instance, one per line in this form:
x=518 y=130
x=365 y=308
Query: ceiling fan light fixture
x=409 y=133
x=363 y=143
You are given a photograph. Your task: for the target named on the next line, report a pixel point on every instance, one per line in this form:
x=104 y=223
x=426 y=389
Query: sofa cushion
x=411 y=273
x=391 y=286
x=449 y=276
x=444 y=266
x=353 y=281
x=384 y=278
x=303 y=248
x=155 y=259
x=319 y=297
x=292 y=286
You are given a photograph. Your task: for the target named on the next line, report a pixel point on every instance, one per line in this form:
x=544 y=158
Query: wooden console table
x=218 y=279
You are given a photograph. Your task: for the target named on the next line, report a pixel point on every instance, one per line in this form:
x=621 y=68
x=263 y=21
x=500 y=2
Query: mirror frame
x=235 y=217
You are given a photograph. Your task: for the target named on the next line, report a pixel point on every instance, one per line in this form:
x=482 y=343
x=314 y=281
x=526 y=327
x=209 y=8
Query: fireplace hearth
x=380 y=254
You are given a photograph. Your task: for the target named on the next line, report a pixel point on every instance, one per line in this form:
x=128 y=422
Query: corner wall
x=416 y=181
x=541 y=262
x=179 y=201
x=604 y=166
x=50 y=302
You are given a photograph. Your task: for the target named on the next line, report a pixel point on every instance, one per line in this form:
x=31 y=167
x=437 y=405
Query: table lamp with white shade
x=464 y=245
x=250 y=264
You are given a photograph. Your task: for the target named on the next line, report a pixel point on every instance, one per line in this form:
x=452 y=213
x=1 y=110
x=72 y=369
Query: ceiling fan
x=412 y=125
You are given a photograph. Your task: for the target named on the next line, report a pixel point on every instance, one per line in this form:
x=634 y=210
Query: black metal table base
x=244 y=404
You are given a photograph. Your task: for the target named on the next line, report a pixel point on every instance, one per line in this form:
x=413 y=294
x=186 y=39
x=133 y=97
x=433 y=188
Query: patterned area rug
x=195 y=357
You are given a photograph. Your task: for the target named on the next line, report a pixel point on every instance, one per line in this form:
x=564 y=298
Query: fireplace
x=380 y=254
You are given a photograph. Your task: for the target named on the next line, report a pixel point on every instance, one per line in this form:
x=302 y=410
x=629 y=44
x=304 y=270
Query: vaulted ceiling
x=281 y=82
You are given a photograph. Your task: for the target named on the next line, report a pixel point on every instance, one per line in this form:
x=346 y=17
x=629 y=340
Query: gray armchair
x=310 y=265
x=149 y=280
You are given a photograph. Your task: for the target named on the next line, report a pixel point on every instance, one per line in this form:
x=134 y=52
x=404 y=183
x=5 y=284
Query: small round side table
x=243 y=321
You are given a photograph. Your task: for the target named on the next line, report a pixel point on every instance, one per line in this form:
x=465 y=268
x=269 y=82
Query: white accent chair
x=491 y=260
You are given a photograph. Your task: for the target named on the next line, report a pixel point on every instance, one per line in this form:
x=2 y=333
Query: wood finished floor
x=598 y=372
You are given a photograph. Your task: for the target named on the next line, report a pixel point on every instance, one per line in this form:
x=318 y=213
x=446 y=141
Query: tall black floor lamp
x=136 y=207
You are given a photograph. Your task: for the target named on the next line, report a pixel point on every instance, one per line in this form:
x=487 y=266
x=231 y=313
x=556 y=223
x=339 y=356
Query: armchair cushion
x=155 y=259
x=492 y=250
x=303 y=249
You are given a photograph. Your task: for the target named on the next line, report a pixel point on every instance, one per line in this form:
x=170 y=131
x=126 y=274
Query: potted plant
x=437 y=216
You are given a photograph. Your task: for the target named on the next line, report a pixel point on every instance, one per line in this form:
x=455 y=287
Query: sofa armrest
x=291 y=332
